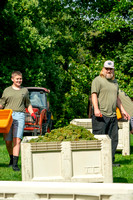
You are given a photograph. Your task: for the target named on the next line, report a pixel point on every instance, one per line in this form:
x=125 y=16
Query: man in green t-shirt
x=16 y=97
x=104 y=93
x=128 y=106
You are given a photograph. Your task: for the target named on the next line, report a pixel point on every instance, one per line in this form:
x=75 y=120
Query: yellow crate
x=5 y=120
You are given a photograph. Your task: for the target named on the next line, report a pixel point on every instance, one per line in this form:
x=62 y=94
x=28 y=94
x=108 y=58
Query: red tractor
x=38 y=97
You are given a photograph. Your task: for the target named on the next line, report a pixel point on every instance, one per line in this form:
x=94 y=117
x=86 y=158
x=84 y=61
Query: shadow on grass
x=124 y=162
x=131 y=149
x=6 y=165
x=119 y=180
x=3 y=165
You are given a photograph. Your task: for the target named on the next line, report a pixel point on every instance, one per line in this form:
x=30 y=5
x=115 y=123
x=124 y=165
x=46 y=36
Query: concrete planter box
x=124 y=133
x=20 y=190
x=82 y=161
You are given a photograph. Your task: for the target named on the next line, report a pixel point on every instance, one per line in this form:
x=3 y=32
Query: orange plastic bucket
x=118 y=113
x=5 y=120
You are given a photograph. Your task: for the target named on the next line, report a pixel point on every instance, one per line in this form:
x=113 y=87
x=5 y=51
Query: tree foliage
x=63 y=44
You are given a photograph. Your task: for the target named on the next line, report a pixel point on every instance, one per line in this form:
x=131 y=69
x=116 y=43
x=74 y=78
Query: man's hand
x=97 y=113
x=125 y=115
x=34 y=117
x=1 y=107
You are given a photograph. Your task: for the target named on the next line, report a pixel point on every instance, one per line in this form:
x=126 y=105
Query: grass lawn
x=123 y=174
x=6 y=173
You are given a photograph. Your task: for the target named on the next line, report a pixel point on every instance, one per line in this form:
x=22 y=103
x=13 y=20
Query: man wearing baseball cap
x=105 y=97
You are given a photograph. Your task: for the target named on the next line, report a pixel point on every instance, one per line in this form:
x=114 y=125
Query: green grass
x=123 y=174
x=6 y=173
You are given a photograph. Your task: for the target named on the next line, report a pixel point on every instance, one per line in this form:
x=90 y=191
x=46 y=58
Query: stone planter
x=20 y=190
x=81 y=161
x=124 y=133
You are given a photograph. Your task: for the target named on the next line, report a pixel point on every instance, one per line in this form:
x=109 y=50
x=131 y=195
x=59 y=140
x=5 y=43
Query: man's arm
x=123 y=112
x=97 y=112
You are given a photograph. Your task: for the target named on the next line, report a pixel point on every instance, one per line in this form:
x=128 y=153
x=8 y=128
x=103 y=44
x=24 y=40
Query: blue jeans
x=17 y=127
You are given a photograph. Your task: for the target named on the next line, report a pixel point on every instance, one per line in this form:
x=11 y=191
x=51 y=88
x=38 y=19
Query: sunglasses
x=109 y=69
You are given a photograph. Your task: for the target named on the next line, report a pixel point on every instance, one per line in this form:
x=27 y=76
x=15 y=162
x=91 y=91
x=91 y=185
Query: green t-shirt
x=126 y=102
x=17 y=100
x=107 y=92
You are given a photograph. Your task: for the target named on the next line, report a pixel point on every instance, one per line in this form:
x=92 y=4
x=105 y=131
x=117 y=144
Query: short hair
x=15 y=73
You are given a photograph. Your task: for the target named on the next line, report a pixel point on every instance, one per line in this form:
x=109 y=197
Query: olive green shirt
x=126 y=102
x=107 y=92
x=17 y=100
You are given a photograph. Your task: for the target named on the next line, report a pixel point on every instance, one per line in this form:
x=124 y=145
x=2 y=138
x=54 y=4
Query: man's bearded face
x=108 y=73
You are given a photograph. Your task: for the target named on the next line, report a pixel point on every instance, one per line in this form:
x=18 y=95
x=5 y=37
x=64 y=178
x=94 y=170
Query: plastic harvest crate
x=5 y=120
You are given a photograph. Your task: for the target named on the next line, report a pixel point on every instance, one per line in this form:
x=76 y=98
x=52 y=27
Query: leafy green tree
x=62 y=45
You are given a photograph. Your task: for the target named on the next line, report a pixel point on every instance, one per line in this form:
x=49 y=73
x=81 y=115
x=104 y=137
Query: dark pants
x=106 y=126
